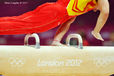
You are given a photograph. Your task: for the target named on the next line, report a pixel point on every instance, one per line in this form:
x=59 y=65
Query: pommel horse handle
x=77 y=36
x=36 y=38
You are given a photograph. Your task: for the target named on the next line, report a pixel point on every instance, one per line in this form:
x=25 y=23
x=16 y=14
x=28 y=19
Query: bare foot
x=97 y=35
x=56 y=43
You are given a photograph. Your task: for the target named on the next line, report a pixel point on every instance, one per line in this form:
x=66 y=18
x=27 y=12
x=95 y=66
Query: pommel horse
x=56 y=60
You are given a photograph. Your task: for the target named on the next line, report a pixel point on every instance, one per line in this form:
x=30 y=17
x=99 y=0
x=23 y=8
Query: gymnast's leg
x=103 y=6
x=61 y=32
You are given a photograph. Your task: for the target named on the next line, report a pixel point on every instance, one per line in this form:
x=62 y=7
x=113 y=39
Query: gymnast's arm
x=103 y=7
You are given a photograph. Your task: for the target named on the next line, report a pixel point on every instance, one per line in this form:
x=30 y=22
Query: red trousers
x=43 y=18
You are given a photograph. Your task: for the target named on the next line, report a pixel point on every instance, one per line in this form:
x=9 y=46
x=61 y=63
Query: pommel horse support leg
x=56 y=60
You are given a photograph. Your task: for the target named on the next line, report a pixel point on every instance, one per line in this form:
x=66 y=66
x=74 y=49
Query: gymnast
x=51 y=15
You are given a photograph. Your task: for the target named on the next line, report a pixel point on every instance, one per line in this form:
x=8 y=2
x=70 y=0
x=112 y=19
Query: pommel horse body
x=56 y=60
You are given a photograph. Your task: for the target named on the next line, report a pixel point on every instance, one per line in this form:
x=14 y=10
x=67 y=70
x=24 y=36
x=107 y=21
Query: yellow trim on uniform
x=79 y=7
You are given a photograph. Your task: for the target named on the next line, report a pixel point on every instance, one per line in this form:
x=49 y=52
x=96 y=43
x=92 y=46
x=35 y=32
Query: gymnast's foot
x=57 y=43
x=97 y=35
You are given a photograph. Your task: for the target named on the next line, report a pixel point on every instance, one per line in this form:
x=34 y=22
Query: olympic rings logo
x=102 y=62
x=16 y=62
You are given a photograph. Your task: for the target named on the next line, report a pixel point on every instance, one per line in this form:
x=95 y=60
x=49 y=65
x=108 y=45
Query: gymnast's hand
x=57 y=43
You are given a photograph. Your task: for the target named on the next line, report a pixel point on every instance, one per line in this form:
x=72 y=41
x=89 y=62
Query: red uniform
x=43 y=18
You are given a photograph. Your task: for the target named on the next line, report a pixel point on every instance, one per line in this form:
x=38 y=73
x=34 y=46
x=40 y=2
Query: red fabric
x=43 y=18
x=63 y=2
